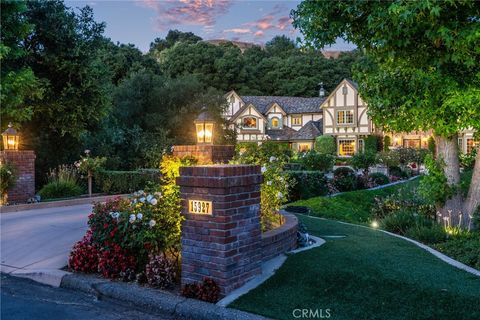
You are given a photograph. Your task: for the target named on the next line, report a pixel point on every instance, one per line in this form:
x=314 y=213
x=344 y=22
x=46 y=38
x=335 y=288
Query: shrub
x=326 y=145
x=114 y=182
x=399 y=222
x=60 y=189
x=344 y=179
x=252 y=153
x=308 y=184
x=397 y=172
x=373 y=144
x=7 y=179
x=403 y=200
x=465 y=249
x=363 y=160
x=208 y=291
x=467 y=161
x=377 y=179
x=161 y=271
x=387 y=142
x=84 y=255
x=427 y=234
x=316 y=161
x=114 y=262
x=434 y=185
x=431 y=145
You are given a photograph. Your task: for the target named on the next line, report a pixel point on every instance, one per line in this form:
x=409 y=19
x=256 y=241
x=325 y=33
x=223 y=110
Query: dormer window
x=345 y=117
x=275 y=123
x=249 y=123
x=296 y=120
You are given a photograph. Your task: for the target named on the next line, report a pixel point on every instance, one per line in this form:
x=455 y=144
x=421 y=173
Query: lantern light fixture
x=204 y=125
x=11 y=138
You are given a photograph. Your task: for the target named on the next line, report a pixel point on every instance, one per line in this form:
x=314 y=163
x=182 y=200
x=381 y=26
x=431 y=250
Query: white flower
x=279 y=195
x=111 y=214
x=140 y=192
x=281 y=178
x=152 y=223
x=154 y=201
x=269 y=183
x=149 y=197
x=264 y=169
x=158 y=194
x=272 y=158
x=142 y=199
x=139 y=216
x=132 y=218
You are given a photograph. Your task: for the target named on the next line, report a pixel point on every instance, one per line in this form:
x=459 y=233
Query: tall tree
x=19 y=86
x=421 y=71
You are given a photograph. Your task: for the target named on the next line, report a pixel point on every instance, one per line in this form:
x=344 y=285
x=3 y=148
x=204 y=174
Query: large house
x=299 y=121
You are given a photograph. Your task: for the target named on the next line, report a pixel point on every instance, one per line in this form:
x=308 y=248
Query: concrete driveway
x=41 y=239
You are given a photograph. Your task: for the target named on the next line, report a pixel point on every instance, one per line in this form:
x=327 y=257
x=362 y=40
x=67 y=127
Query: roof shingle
x=290 y=105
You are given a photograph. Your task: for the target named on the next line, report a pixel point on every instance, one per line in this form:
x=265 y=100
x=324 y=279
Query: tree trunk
x=89 y=184
x=451 y=212
x=473 y=198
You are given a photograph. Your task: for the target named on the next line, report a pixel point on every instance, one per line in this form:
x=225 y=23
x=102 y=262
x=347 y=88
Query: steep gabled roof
x=309 y=131
x=352 y=83
x=290 y=105
x=245 y=106
x=283 y=134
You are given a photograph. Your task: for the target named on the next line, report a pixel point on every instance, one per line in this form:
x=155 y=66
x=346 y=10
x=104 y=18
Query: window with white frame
x=345 y=117
x=460 y=144
x=361 y=145
x=346 y=147
x=275 y=123
x=296 y=120
x=249 y=123
x=471 y=144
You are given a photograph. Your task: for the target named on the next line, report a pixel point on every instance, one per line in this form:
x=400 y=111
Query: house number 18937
x=199 y=207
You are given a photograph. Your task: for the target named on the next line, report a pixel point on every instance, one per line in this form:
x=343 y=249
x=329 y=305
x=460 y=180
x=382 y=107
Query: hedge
x=308 y=184
x=114 y=182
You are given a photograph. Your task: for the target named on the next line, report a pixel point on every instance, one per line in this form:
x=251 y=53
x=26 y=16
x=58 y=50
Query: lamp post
x=11 y=138
x=204 y=125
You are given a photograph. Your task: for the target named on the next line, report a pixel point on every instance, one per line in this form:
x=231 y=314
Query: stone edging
x=439 y=255
x=153 y=300
x=60 y=203
x=281 y=239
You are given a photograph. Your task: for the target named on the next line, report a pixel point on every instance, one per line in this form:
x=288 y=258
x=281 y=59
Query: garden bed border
x=282 y=239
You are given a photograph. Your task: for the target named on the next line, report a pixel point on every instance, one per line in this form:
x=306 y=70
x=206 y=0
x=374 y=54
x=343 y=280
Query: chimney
x=321 y=92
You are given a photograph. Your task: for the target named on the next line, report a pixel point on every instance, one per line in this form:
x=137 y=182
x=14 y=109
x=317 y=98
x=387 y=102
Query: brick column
x=24 y=163
x=206 y=154
x=226 y=244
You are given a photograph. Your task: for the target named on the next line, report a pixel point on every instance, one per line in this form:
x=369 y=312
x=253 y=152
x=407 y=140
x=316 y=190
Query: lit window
x=345 y=117
x=346 y=147
x=250 y=123
x=304 y=147
x=297 y=120
x=471 y=144
x=275 y=123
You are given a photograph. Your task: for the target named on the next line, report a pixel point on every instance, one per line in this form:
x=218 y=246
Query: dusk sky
x=141 y=21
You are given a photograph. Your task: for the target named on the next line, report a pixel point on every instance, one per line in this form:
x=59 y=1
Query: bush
x=397 y=172
x=252 y=153
x=316 y=161
x=114 y=262
x=326 y=145
x=208 y=291
x=427 y=234
x=387 y=142
x=377 y=179
x=465 y=249
x=115 y=182
x=373 y=144
x=308 y=184
x=84 y=255
x=399 y=222
x=7 y=177
x=431 y=145
x=388 y=158
x=467 y=161
x=403 y=200
x=161 y=271
x=363 y=160
x=60 y=189
x=344 y=179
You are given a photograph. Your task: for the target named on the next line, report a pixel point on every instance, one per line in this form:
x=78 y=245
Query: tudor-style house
x=299 y=121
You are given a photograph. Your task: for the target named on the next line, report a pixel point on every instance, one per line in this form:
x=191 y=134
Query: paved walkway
x=42 y=238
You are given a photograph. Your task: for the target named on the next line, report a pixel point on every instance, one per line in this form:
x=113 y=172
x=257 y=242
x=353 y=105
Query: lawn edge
x=438 y=254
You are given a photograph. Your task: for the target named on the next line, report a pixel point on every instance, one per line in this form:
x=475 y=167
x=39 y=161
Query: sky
x=141 y=21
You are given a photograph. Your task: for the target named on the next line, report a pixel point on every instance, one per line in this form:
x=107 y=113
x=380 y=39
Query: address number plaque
x=200 y=207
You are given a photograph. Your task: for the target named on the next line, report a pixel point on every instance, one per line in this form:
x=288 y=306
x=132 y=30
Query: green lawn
x=351 y=206
x=366 y=275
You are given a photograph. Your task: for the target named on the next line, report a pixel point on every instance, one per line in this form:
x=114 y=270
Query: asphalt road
x=26 y=299
x=42 y=238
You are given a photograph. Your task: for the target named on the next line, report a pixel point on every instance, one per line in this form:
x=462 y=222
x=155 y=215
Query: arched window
x=275 y=123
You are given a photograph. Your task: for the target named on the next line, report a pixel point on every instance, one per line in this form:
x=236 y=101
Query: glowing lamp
x=204 y=128
x=11 y=138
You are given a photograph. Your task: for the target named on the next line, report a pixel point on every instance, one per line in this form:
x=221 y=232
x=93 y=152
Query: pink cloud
x=187 y=12
x=284 y=22
x=259 y=33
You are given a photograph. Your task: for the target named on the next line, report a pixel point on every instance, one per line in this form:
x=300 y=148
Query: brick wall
x=225 y=246
x=206 y=154
x=281 y=239
x=24 y=162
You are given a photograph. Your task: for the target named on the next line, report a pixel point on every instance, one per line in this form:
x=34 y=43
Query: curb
x=59 y=203
x=152 y=299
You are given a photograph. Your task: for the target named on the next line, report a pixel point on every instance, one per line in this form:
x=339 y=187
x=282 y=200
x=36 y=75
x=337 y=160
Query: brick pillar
x=226 y=244
x=24 y=163
x=206 y=154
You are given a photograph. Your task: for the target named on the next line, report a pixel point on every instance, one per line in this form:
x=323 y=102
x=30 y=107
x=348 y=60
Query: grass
x=352 y=206
x=366 y=275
